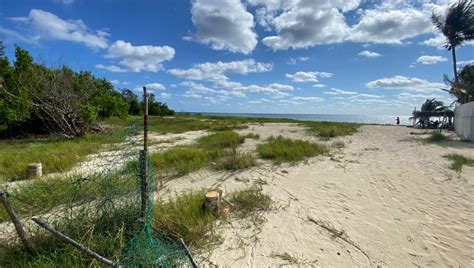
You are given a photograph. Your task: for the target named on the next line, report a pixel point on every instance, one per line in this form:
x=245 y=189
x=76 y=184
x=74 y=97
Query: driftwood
x=75 y=244
x=19 y=228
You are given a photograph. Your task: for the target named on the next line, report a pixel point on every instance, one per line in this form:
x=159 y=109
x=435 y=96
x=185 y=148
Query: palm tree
x=433 y=105
x=463 y=89
x=457 y=26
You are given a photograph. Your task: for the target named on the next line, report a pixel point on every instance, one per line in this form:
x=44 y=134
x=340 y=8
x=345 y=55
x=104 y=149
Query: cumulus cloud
x=430 y=59
x=224 y=25
x=319 y=85
x=369 y=54
x=196 y=87
x=155 y=86
x=306 y=23
x=217 y=71
x=391 y=26
x=46 y=25
x=137 y=58
x=405 y=83
x=308 y=76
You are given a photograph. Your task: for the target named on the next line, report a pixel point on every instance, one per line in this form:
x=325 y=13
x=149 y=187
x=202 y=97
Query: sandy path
x=395 y=198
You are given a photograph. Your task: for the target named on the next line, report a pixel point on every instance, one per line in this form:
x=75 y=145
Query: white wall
x=464 y=120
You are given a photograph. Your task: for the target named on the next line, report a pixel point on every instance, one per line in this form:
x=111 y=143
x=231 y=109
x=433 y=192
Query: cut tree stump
x=212 y=200
x=35 y=170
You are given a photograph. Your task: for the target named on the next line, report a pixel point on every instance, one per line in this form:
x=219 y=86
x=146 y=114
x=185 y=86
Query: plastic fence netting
x=98 y=204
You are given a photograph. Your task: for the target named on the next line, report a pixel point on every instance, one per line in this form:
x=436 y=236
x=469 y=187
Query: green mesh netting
x=98 y=204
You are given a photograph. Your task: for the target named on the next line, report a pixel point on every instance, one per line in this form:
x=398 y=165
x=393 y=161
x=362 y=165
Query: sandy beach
x=384 y=200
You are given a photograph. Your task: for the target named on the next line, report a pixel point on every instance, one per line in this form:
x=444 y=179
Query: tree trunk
x=212 y=200
x=455 y=65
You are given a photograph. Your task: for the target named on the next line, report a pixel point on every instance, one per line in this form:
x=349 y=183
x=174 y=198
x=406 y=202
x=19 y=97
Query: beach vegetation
x=252 y=135
x=458 y=161
x=328 y=130
x=238 y=161
x=35 y=99
x=180 y=160
x=436 y=137
x=282 y=149
x=183 y=215
x=56 y=154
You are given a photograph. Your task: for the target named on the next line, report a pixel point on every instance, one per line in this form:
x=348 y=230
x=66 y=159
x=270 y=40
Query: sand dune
x=394 y=198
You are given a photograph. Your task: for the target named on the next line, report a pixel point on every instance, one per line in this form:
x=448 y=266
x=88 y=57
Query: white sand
x=395 y=197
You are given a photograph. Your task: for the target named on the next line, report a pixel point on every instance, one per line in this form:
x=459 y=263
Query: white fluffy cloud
x=405 y=83
x=224 y=25
x=302 y=24
x=430 y=59
x=391 y=26
x=369 y=54
x=217 y=71
x=46 y=25
x=137 y=58
x=308 y=76
x=306 y=23
x=155 y=86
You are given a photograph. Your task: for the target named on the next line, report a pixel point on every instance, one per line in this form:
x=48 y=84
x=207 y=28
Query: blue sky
x=259 y=56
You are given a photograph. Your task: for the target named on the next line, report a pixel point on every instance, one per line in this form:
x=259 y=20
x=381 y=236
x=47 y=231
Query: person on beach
x=398 y=120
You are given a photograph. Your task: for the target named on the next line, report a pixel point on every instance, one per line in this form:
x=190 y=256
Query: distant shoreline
x=346 y=118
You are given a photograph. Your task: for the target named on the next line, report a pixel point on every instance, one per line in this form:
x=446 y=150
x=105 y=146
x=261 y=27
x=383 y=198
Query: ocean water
x=362 y=119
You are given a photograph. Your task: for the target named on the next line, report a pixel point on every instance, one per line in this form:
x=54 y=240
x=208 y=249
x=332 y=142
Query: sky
x=247 y=56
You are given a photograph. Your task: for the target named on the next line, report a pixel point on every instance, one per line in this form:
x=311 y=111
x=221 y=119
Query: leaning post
x=19 y=228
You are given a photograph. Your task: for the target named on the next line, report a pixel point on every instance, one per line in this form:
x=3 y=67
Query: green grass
x=55 y=154
x=180 y=161
x=254 y=136
x=219 y=148
x=246 y=202
x=183 y=215
x=458 y=161
x=436 y=137
x=286 y=150
x=238 y=161
x=327 y=130
x=106 y=236
x=221 y=140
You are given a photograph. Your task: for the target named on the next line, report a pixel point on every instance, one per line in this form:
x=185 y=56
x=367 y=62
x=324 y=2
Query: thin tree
x=457 y=26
